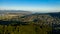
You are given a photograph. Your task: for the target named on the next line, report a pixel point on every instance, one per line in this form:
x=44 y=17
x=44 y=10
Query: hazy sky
x=30 y=5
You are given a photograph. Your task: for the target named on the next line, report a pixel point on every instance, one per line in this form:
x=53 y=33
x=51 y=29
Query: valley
x=28 y=23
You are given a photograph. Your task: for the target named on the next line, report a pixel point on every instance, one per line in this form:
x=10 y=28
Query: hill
x=29 y=23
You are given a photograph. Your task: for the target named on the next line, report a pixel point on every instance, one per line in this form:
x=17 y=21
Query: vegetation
x=29 y=24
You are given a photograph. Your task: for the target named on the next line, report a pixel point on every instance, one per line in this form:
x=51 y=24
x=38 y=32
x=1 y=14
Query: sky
x=30 y=5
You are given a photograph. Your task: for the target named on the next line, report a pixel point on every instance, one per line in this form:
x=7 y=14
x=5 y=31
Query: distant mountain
x=57 y=14
x=53 y=14
x=14 y=12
